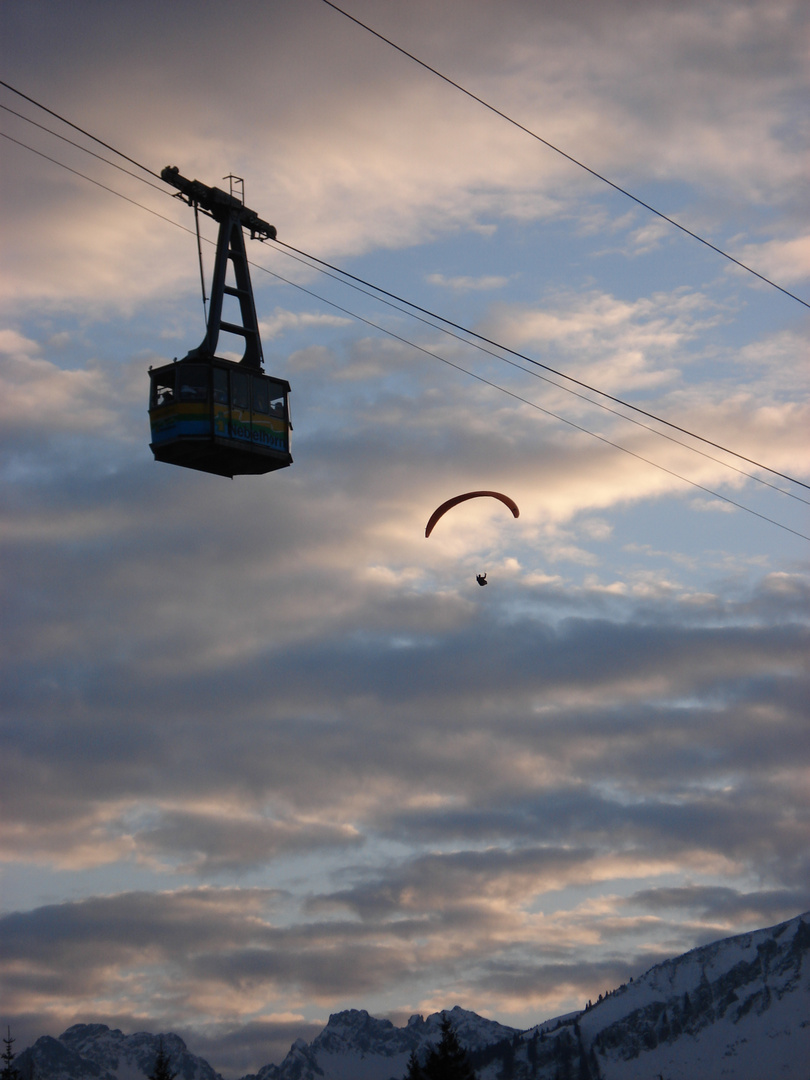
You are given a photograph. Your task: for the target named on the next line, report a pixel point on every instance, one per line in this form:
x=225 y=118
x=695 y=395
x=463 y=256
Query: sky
x=269 y=753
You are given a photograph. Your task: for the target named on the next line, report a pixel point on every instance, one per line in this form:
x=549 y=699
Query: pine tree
x=162 y=1069
x=449 y=1060
x=531 y=1052
x=9 y=1071
x=27 y=1070
x=415 y=1070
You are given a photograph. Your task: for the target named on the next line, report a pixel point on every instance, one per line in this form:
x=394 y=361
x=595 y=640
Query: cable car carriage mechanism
x=206 y=412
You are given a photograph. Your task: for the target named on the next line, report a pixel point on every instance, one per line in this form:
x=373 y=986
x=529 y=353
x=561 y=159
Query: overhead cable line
x=533 y=404
x=90 y=180
x=568 y=157
x=546 y=367
x=76 y=127
x=72 y=142
x=417 y=307
x=444 y=360
x=550 y=382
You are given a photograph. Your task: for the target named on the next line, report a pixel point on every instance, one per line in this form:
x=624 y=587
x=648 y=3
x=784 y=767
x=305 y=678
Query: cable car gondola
x=206 y=412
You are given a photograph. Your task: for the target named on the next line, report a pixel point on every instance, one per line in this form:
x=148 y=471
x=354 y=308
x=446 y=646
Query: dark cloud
x=448 y=885
x=211 y=843
x=368 y=710
x=197 y=942
x=719 y=903
x=537 y=980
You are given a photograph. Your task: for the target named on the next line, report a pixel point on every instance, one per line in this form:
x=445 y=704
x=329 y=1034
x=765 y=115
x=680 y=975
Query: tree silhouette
x=9 y=1071
x=162 y=1069
x=449 y=1060
x=415 y=1070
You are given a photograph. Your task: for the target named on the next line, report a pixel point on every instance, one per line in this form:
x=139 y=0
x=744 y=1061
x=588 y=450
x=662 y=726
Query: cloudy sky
x=268 y=753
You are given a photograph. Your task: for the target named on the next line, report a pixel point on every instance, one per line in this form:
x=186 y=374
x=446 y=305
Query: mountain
x=356 y=1046
x=738 y=1009
x=95 y=1052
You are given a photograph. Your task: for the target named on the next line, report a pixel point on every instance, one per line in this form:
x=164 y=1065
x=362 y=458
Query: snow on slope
x=356 y=1046
x=95 y=1052
x=737 y=1008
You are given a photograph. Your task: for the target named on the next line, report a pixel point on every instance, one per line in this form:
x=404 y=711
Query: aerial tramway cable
x=559 y=374
x=434 y=315
x=568 y=157
x=472 y=333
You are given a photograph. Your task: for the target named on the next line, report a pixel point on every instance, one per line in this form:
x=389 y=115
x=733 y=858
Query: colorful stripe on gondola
x=192 y=420
x=179 y=421
x=265 y=431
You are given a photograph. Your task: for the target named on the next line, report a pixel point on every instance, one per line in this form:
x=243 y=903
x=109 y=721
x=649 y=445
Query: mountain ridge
x=738 y=1008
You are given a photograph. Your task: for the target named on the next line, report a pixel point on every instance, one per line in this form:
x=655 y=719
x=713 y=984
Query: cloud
x=615 y=337
x=719 y=904
x=217 y=841
x=269 y=752
x=464 y=284
x=37 y=392
x=351 y=164
x=206 y=942
x=530 y=710
x=245 y=1048
x=785 y=260
x=283 y=320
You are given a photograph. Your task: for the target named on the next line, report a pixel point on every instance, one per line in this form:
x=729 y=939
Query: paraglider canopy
x=440 y=511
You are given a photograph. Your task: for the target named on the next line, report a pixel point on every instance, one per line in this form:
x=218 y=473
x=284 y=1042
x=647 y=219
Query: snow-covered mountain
x=356 y=1046
x=737 y=1009
x=95 y=1052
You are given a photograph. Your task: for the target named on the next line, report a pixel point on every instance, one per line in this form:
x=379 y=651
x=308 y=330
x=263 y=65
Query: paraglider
x=440 y=511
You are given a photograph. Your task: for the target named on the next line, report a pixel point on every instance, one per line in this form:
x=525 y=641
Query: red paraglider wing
x=440 y=511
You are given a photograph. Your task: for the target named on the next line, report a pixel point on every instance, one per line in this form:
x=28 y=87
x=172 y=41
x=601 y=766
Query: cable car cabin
x=211 y=414
x=222 y=416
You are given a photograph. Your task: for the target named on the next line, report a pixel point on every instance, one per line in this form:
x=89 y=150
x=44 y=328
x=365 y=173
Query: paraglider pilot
x=481 y=579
